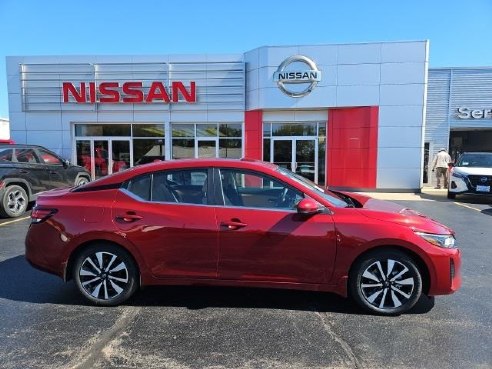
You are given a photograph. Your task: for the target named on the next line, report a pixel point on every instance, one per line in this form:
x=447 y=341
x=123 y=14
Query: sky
x=460 y=32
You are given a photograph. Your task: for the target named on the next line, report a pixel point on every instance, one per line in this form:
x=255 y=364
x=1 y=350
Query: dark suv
x=26 y=170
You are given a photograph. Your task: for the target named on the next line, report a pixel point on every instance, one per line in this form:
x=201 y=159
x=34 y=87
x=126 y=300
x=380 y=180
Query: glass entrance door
x=298 y=154
x=102 y=157
x=206 y=148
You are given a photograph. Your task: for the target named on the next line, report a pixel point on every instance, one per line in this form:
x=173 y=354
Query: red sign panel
x=128 y=92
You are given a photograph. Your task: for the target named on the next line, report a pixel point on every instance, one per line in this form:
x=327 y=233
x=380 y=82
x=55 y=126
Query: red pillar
x=253 y=134
x=352 y=147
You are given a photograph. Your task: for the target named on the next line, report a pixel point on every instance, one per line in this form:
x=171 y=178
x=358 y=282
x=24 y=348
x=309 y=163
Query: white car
x=471 y=174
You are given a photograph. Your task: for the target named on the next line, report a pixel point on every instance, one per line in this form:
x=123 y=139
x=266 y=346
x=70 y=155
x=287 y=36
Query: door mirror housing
x=66 y=163
x=309 y=207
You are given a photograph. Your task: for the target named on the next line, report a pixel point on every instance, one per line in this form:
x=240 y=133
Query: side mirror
x=308 y=207
x=66 y=163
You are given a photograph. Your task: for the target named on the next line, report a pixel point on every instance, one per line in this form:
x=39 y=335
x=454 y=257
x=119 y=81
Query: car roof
x=123 y=176
x=21 y=146
x=476 y=152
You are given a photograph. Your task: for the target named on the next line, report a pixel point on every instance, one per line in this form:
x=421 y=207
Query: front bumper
x=447 y=270
x=459 y=185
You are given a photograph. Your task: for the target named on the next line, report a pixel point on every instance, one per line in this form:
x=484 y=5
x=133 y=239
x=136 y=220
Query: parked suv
x=471 y=174
x=26 y=170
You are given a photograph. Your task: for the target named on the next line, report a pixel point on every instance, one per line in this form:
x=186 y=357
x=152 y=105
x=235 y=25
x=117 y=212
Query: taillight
x=39 y=215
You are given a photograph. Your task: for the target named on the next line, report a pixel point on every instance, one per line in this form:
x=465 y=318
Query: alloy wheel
x=16 y=202
x=387 y=284
x=104 y=275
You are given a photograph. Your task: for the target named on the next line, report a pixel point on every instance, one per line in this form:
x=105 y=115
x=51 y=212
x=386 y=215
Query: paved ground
x=45 y=324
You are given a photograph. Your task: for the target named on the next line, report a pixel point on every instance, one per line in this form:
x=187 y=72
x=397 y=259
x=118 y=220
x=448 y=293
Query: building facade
x=348 y=116
x=459 y=113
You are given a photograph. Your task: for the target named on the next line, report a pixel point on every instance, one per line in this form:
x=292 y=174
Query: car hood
x=477 y=171
x=388 y=211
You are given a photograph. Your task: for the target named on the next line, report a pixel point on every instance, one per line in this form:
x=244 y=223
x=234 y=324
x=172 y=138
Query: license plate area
x=481 y=188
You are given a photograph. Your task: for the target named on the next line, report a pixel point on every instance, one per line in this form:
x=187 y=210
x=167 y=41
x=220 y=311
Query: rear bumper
x=43 y=255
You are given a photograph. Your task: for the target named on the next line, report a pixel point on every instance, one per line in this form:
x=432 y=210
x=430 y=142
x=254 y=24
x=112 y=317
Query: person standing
x=440 y=165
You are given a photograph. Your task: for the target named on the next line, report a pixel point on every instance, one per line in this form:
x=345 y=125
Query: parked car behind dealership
x=27 y=170
x=471 y=174
x=238 y=223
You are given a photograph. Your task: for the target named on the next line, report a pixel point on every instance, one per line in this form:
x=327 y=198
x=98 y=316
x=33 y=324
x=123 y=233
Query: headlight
x=458 y=175
x=446 y=241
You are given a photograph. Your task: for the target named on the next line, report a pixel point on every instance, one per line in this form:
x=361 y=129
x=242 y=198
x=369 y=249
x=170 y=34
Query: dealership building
x=350 y=116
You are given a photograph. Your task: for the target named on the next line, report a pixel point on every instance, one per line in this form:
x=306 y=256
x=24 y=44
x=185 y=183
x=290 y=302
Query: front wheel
x=14 y=202
x=386 y=282
x=105 y=274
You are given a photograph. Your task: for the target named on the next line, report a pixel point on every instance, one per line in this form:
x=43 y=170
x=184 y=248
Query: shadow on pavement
x=21 y=282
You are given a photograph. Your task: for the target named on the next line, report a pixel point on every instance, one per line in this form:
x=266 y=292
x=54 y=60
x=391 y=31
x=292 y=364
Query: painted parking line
x=468 y=206
x=13 y=221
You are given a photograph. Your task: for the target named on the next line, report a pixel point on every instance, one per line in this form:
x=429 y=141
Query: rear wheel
x=14 y=202
x=81 y=181
x=451 y=195
x=386 y=282
x=105 y=274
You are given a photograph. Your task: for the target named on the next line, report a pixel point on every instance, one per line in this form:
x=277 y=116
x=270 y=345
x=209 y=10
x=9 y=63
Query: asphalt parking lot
x=45 y=324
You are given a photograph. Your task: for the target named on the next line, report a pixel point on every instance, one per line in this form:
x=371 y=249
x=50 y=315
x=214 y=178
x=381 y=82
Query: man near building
x=440 y=165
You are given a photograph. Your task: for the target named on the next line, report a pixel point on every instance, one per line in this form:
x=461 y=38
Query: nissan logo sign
x=483 y=179
x=297 y=76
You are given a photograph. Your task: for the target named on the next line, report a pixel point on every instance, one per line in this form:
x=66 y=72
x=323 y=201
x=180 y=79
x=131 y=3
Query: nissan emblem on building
x=297 y=76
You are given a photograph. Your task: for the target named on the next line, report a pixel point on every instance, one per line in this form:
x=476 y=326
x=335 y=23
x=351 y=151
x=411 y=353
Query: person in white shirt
x=440 y=165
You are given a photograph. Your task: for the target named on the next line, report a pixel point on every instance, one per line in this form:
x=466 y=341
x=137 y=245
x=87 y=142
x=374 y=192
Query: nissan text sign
x=128 y=92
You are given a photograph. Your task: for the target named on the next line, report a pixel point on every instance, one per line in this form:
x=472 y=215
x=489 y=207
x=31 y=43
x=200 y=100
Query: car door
x=263 y=238
x=174 y=229
x=57 y=171
x=29 y=168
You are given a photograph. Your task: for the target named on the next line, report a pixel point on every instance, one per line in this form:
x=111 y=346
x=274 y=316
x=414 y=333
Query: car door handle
x=128 y=217
x=22 y=171
x=233 y=224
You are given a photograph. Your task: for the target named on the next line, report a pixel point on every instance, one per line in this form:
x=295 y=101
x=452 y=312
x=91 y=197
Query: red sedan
x=238 y=223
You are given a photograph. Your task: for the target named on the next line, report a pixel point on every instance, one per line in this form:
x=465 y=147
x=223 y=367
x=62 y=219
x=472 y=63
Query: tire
x=371 y=288
x=451 y=195
x=105 y=274
x=81 y=181
x=14 y=202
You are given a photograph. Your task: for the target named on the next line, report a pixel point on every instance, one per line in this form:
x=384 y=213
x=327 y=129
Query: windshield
x=483 y=160
x=306 y=183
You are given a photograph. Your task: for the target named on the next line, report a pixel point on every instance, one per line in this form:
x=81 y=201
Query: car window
x=26 y=156
x=475 y=160
x=140 y=187
x=183 y=186
x=6 y=154
x=178 y=186
x=256 y=190
x=49 y=158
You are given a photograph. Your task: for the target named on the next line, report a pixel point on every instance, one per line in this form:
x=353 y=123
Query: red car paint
x=176 y=243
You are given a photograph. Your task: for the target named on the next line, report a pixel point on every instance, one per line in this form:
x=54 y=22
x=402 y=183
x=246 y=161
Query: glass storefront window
x=206 y=130
x=230 y=148
x=183 y=148
x=148 y=130
x=230 y=130
x=267 y=129
x=147 y=150
x=102 y=130
x=294 y=129
x=183 y=130
x=227 y=136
